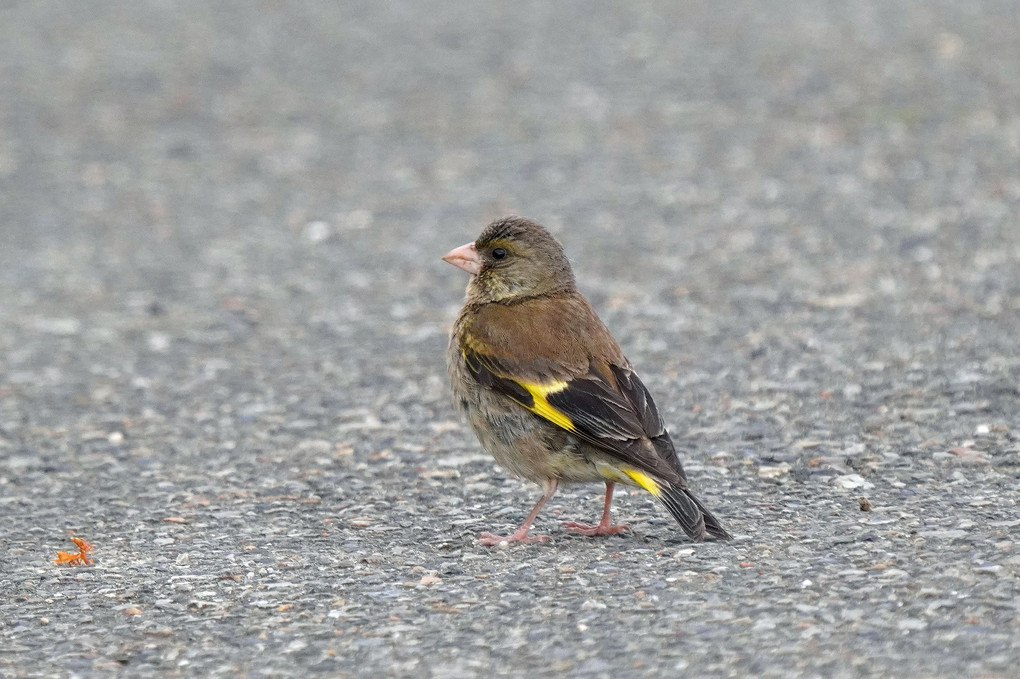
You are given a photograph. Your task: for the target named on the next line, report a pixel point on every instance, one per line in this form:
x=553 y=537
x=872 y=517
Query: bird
x=547 y=389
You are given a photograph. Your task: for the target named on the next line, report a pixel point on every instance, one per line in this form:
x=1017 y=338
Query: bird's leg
x=605 y=526
x=521 y=534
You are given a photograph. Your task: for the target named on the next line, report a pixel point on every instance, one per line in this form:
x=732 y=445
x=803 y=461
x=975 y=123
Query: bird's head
x=514 y=258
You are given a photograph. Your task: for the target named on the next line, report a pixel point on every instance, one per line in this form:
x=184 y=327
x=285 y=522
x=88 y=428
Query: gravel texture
x=223 y=318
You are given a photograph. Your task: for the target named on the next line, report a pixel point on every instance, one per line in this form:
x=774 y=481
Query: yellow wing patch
x=542 y=407
x=512 y=387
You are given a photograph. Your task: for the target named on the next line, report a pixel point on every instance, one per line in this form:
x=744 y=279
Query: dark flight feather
x=602 y=415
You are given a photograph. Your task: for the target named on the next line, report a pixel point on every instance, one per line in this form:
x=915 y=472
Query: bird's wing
x=607 y=407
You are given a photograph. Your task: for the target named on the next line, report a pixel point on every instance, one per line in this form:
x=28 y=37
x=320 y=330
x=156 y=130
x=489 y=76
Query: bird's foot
x=490 y=540
x=591 y=531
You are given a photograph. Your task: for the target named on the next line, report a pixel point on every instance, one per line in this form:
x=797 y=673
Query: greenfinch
x=547 y=389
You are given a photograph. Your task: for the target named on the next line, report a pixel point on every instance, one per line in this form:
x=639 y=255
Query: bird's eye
x=498 y=253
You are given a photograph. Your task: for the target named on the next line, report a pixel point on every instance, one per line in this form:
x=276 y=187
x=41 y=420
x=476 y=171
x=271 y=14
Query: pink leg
x=605 y=526
x=521 y=534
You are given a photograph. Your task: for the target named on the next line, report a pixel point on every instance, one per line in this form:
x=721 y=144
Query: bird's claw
x=592 y=531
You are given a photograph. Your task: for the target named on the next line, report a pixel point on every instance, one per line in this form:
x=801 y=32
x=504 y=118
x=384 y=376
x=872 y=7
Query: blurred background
x=255 y=172
x=221 y=223
x=286 y=162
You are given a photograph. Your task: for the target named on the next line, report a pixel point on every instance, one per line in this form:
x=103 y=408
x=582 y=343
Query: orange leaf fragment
x=79 y=559
x=67 y=557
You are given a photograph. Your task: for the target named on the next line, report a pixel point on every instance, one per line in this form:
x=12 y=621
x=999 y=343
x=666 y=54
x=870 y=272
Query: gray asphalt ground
x=223 y=318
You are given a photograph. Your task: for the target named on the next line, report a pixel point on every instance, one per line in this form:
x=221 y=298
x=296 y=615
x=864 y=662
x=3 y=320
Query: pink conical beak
x=465 y=257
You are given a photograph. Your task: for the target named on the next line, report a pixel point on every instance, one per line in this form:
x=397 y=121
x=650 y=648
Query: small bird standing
x=547 y=389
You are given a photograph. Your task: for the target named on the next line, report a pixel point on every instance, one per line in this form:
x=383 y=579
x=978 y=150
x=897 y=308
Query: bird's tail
x=688 y=511
x=712 y=524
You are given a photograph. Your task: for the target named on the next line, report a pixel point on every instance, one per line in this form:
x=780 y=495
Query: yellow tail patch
x=643 y=480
